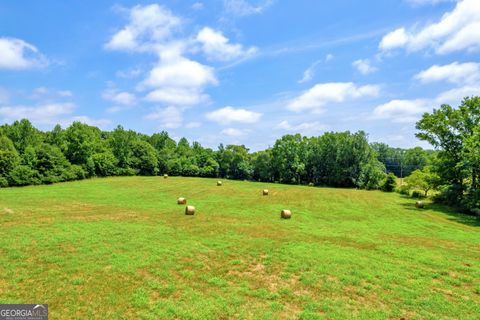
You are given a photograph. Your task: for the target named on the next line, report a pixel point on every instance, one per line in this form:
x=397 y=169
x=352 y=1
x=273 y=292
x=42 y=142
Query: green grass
x=121 y=248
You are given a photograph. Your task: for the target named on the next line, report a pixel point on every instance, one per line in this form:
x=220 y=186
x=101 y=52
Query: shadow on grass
x=452 y=213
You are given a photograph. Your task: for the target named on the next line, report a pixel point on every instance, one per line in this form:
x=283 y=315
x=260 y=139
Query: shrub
x=403 y=189
x=74 y=172
x=23 y=175
x=127 y=172
x=105 y=164
x=417 y=194
x=3 y=182
x=389 y=183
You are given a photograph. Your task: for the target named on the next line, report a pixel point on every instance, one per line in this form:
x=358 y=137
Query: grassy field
x=121 y=248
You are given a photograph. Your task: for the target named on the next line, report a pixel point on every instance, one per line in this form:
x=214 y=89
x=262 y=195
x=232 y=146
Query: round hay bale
x=286 y=214
x=181 y=200
x=265 y=192
x=189 y=210
x=311 y=184
x=165 y=176
x=219 y=183
x=419 y=204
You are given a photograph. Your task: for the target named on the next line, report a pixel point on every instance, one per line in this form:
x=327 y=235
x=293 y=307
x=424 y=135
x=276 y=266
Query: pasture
x=122 y=248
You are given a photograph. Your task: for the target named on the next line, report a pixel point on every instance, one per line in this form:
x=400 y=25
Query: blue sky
x=238 y=71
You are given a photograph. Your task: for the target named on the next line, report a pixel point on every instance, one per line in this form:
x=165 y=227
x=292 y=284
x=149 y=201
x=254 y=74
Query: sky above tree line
x=238 y=71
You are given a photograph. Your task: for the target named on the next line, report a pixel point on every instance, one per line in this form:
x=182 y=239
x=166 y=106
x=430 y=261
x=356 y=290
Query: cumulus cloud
x=170 y=117
x=179 y=81
x=217 y=47
x=119 y=97
x=364 y=66
x=454 y=96
x=18 y=54
x=455 y=72
x=457 y=30
x=175 y=79
x=232 y=132
x=402 y=110
x=319 y=96
x=410 y=110
x=228 y=115
x=148 y=26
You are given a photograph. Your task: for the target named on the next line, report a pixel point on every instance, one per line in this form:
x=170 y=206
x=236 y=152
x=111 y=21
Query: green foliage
x=105 y=164
x=417 y=194
x=8 y=156
x=456 y=133
x=425 y=180
x=3 y=182
x=23 y=175
x=389 y=183
x=144 y=158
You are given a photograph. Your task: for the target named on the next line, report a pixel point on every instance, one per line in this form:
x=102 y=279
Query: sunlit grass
x=122 y=248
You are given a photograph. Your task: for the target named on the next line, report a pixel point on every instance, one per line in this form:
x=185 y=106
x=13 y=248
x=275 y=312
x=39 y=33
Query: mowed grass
x=121 y=248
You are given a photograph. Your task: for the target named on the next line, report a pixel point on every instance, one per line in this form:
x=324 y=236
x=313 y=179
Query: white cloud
x=457 y=30
x=232 y=132
x=455 y=72
x=310 y=72
x=148 y=26
x=179 y=81
x=364 y=66
x=245 y=8
x=119 y=97
x=456 y=95
x=18 y=54
x=217 y=47
x=402 y=110
x=319 y=96
x=228 y=115
x=394 y=39
x=169 y=117
x=329 y=57
x=303 y=128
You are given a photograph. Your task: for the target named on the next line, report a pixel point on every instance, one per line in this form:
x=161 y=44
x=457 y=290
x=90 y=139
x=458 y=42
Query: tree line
x=29 y=156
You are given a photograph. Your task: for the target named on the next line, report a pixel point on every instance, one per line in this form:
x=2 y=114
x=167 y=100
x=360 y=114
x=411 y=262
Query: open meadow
x=121 y=248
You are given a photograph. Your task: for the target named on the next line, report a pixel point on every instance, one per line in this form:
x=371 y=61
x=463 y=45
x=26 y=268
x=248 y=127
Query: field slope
x=121 y=248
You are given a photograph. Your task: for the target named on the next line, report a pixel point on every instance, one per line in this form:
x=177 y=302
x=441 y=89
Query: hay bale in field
x=189 y=210
x=419 y=204
x=265 y=192
x=286 y=214
x=219 y=183
x=165 y=176
x=311 y=184
x=181 y=200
